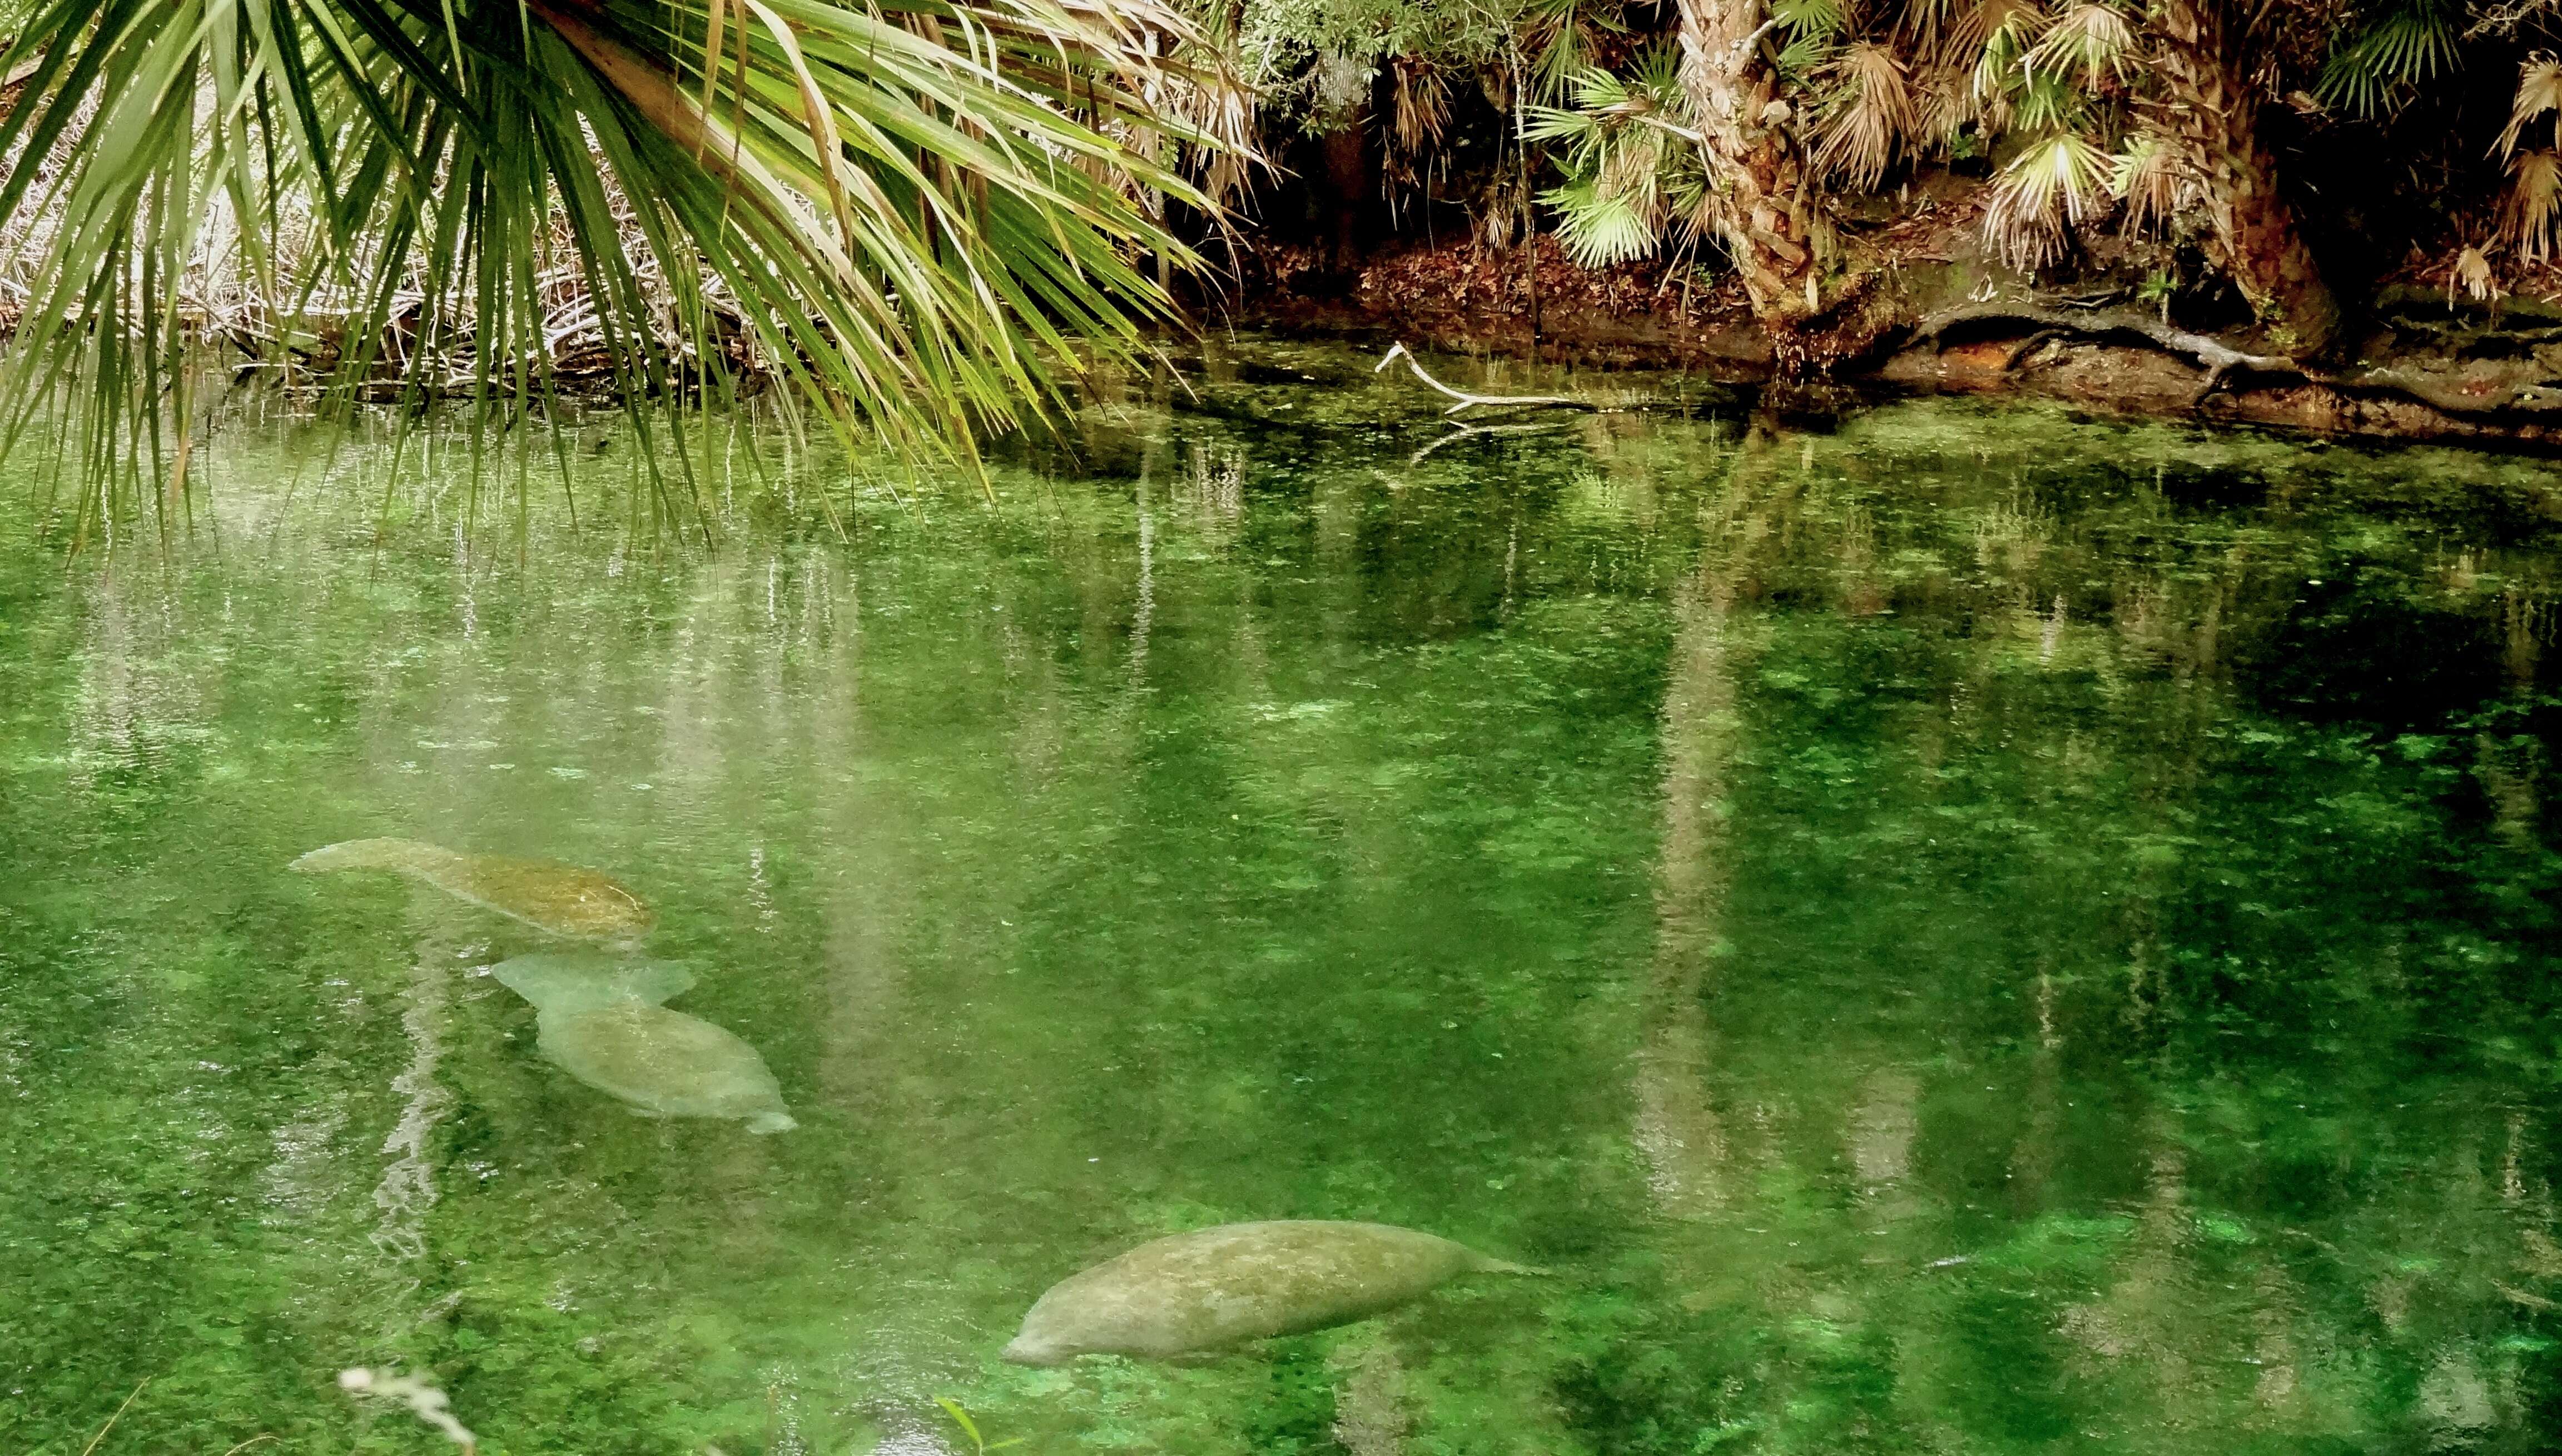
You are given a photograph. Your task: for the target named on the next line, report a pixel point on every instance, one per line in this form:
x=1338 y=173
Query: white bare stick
x=1465 y=399
x=423 y=1401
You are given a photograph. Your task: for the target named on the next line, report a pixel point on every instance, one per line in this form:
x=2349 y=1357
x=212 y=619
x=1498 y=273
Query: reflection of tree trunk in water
x=2508 y=768
x=1677 y=1130
x=2034 y=1158
x=1154 y=460
x=2149 y=1316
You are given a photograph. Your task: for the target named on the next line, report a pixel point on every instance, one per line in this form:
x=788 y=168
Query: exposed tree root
x=2220 y=360
x=2223 y=364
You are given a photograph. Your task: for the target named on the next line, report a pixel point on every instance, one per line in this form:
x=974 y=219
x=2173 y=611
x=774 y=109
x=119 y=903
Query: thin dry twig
x=112 y=1419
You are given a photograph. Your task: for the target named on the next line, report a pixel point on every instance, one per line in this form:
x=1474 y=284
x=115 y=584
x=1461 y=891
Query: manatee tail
x=364 y=854
x=566 y=984
x=771 y=1122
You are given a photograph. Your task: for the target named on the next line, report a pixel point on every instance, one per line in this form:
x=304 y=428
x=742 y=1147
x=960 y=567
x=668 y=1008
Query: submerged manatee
x=1223 y=1286
x=665 y=1063
x=599 y=1019
x=560 y=898
x=565 y=984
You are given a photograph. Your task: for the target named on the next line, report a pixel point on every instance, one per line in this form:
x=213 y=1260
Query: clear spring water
x=1960 y=929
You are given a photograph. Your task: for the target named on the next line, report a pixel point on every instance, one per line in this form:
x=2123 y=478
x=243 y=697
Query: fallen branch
x=2220 y=360
x=1469 y=401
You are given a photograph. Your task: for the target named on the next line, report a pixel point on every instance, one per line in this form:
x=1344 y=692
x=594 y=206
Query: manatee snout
x=1026 y=1351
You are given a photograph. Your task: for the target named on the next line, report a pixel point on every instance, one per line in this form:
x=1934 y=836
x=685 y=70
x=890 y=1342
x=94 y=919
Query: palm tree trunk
x=2216 y=109
x=1757 y=206
x=1348 y=176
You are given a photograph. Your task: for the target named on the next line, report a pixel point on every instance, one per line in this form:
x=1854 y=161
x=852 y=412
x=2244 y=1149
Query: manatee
x=562 y=983
x=598 y=1018
x=663 y=1063
x=1218 y=1287
x=560 y=898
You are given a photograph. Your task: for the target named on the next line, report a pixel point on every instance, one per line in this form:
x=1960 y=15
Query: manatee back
x=665 y=1063
x=565 y=984
x=1239 y=1282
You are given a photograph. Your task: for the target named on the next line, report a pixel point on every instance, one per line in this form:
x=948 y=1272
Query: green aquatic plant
x=980 y=1445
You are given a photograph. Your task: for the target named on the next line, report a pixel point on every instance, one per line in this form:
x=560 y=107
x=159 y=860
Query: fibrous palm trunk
x=2216 y=112
x=1757 y=204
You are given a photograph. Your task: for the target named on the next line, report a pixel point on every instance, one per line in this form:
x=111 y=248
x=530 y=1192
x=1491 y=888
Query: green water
x=1958 y=930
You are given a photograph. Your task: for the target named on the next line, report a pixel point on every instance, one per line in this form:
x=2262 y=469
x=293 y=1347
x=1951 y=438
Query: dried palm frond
x=2530 y=215
x=1927 y=24
x=2053 y=185
x=1868 y=116
x=2092 y=38
x=2472 y=273
x=1943 y=102
x=1420 y=97
x=2153 y=178
x=2539 y=90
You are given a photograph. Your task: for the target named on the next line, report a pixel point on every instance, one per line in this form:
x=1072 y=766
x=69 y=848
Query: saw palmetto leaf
x=2530 y=213
x=2404 y=43
x=2538 y=95
x=1870 y=114
x=2051 y=186
x=919 y=214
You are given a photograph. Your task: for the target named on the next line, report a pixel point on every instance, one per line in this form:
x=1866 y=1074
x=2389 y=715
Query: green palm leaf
x=919 y=214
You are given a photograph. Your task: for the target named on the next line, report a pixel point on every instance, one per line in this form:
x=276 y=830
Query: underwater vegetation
x=1945 y=929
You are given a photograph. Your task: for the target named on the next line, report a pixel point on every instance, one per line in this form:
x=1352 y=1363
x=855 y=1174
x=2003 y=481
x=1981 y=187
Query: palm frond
x=1944 y=102
x=1599 y=227
x=2152 y=177
x=1869 y=115
x=2411 y=42
x=1419 y=110
x=1993 y=39
x=2540 y=92
x=2088 y=42
x=908 y=209
x=2055 y=184
x=2530 y=213
x=1808 y=30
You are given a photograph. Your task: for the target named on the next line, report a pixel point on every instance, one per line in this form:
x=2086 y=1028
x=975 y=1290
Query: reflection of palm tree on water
x=2143 y=1325
x=1677 y=1130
